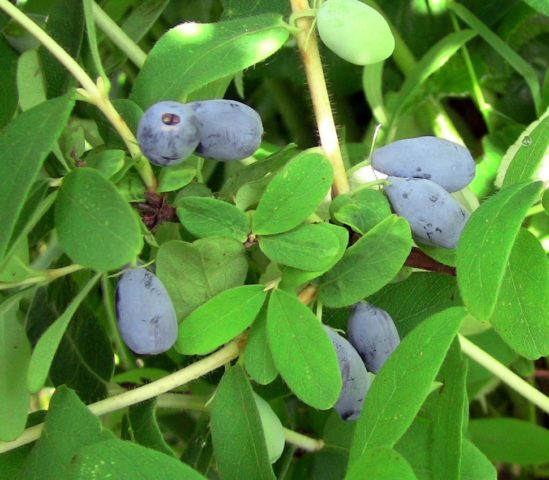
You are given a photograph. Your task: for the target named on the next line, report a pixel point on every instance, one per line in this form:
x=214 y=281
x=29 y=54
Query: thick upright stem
x=308 y=46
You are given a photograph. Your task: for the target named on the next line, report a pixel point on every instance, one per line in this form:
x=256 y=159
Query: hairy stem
x=308 y=47
x=504 y=374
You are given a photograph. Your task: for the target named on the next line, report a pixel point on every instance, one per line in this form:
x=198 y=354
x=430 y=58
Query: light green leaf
x=22 y=156
x=193 y=55
x=293 y=194
x=372 y=85
x=220 y=319
x=43 y=353
x=258 y=359
x=195 y=272
x=540 y=5
x=237 y=433
x=402 y=385
x=208 y=217
x=96 y=226
x=486 y=243
x=108 y=162
x=520 y=313
x=311 y=247
x=176 y=177
x=475 y=465
x=381 y=464
x=14 y=361
x=368 y=265
x=302 y=352
x=30 y=81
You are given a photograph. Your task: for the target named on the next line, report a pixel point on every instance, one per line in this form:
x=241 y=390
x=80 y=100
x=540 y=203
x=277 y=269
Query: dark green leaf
x=511 y=440
x=237 y=433
x=368 y=265
x=195 y=272
x=193 y=55
x=8 y=82
x=119 y=459
x=96 y=227
x=381 y=463
x=208 y=217
x=293 y=194
x=243 y=8
x=402 y=385
x=486 y=243
x=302 y=351
x=14 y=361
x=311 y=247
x=21 y=156
x=220 y=319
x=258 y=359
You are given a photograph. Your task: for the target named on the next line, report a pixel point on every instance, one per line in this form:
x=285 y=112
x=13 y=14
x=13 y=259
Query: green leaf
x=69 y=426
x=43 y=353
x=128 y=110
x=524 y=158
x=382 y=464
x=176 y=177
x=258 y=359
x=14 y=361
x=96 y=226
x=368 y=265
x=293 y=194
x=242 y=8
x=141 y=426
x=8 y=82
x=220 y=319
x=22 y=155
x=523 y=297
x=30 y=81
x=402 y=385
x=311 y=247
x=486 y=243
x=65 y=25
x=119 y=459
x=475 y=465
x=539 y=5
x=419 y=296
x=302 y=351
x=108 y=162
x=195 y=272
x=511 y=440
x=208 y=217
x=193 y=55
x=372 y=85
x=362 y=210
x=237 y=432
x=499 y=45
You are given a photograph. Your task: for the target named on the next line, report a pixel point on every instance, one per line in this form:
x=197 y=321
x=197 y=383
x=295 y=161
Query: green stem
x=95 y=93
x=43 y=277
x=302 y=441
x=504 y=374
x=118 y=36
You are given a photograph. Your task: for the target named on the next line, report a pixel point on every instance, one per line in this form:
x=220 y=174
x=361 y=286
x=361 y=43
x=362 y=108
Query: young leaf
x=43 y=353
x=310 y=247
x=511 y=440
x=69 y=427
x=381 y=463
x=486 y=243
x=195 y=272
x=208 y=217
x=402 y=385
x=96 y=226
x=193 y=55
x=523 y=297
x=8 y=82
x=220 y=319
x=237 y=433
x=258 y=359
x=293 y=194
x=14 y=361
x=120 y=459
x=302 y=351
x=21 y=156
x=368 y=265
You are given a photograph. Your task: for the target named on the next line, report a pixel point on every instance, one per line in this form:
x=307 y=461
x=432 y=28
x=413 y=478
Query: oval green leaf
x=302 y=352
x=486 y=243
x=404 y=382
x=192 y=55
x=258 y=359
x=208 y=217
x=220 y=319
x=96 y=227
x=368 y=265
x=293 y=194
